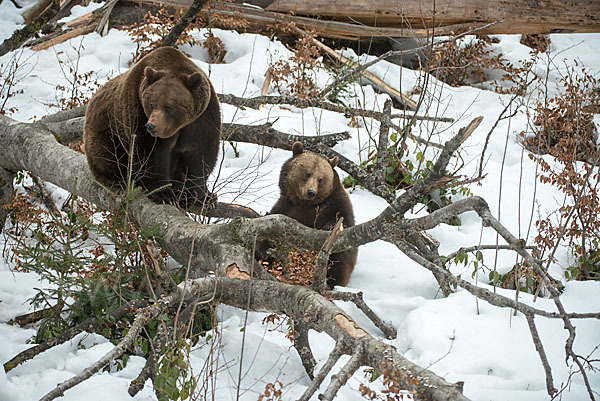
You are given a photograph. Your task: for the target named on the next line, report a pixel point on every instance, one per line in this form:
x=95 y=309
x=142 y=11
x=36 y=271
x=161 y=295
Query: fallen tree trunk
x=355 y=19
x=517 y=16
x=358 y=20
x=227 y=250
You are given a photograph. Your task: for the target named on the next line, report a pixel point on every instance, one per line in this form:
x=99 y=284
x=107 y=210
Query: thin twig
x=46 y=198
x=540 y=349
x=482 y=248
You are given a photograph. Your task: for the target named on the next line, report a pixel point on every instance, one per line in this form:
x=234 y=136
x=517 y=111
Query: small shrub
x=172 y=381
x=565 y=129
x=296 y=76
x=273 y=392
x=215 y=47
x=538 y=42
x=464 y=62
x=391 y=378
x=79 y=86
x=12 y=72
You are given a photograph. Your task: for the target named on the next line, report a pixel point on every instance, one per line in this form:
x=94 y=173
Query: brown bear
x=312 y=194
x=163 y=117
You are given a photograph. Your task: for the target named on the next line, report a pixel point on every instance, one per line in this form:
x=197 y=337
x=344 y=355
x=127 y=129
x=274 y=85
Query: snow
x=458 y=337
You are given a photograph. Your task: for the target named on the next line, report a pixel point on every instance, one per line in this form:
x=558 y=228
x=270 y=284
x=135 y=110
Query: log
x=517 y=16
x=355 y=19
x=63 y=37
x=359 y=20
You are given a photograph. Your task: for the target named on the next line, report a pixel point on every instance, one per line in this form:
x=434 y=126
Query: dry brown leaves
x=298 y=270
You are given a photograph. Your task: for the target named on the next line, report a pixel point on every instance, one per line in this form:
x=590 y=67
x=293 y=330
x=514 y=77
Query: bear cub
x=164 y=111
x=312 y=194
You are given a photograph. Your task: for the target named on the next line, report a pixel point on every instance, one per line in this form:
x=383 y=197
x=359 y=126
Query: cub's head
x=172 y=101
x=308 y=178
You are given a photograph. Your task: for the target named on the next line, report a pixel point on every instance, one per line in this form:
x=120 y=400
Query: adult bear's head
x=173 y=100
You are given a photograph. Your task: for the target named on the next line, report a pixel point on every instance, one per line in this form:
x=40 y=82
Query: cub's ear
x=334 y=161
x=153 y=75
x=195 y=80
x=297 y=148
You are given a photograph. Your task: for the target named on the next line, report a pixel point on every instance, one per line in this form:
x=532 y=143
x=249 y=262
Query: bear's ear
x=194 y=80
x=152 y=75
x=334 y=161
x=297 y=148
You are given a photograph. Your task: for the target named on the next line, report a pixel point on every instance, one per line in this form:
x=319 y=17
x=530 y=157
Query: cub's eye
x=320 y=180
x=308 y=175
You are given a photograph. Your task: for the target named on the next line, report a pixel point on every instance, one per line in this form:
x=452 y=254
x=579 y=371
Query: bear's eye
x=320 y=180
x=308 y=175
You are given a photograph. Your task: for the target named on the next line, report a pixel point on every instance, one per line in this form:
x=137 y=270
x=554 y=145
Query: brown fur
x=170 y=106
x=303 y=175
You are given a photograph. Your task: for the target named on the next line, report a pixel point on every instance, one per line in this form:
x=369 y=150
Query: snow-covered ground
x=457 y=337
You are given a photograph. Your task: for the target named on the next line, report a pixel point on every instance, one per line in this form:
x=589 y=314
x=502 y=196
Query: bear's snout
x=310 y=194
x=150 y=128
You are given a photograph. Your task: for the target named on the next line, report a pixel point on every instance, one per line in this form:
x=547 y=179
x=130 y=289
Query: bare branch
x=141 y=318
x=540 y=349
x=319 y=282
x=64 y=115
x=89 y=325
x=303 y=347
x=333 y=357
x=382 y=144
x=183 y=23
x=321 y=314
x=357 y=298
x=256 y=102
x=149 y=369
x=6 y=191
x=474 y=248
x=339 y=379
x=22 y=34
